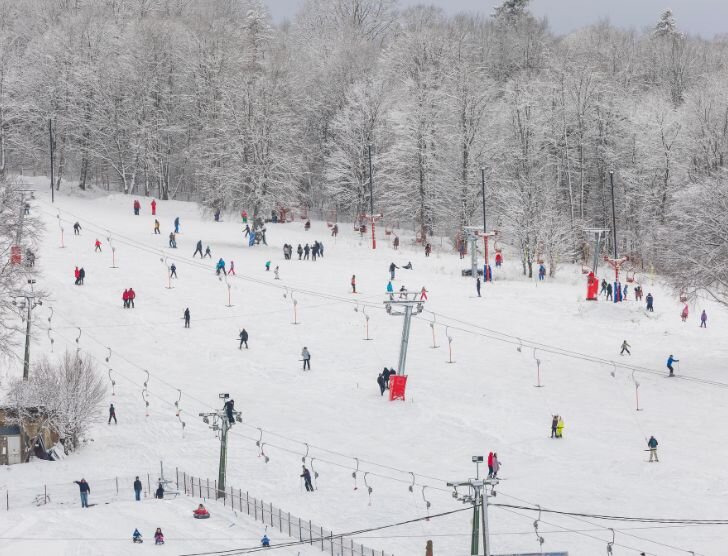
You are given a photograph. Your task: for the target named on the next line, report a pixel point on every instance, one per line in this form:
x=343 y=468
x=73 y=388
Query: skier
x=684 y=314
x=77 y=229
x=112 y=414
x=554 y=424
x=299 y=251
x=275 y=271
x=132 y=297
x=243 y=338
x=428 y=249
x=650 y=300
x=137 y=489
x=306 y=251
x=201 y=513
x=321 y=249
x=217 y=215
x=172 y=240
x=559 y=429
x=208 y=253
x=244 y=216
x=403 y=292
x=220 y=267
x=81 y=276
x=307 y=225
x=307 y=479
x=498 y=259
x=638 y=293
x=136 y=537
x=158 y=536
x=490 y=465
x=186 y=316
x=670 y=361
x=77 y=275
x=392 y=267
x=353 y=283
x=231 y=271
x=314 y=251
x=156 y=227
x=652 y=445
x=496 y=465
x=604 y=287
x=137 y=206
x=477 y=285
x=703 y=319
x=173 y=271
x=380 y=381
x=461 y=250
x=176 y=225
x=159 y=493
x=423 y=294
x=85 y=490
x=125 y=298
x=390 y=289
x=154 y=207
x=198 y=249
x=306 y=358
x=265 y=541
x=97 y=246
x=609 y=291
x=335 y=230
x=625 y=347
x=541 y=272
x=267 y=266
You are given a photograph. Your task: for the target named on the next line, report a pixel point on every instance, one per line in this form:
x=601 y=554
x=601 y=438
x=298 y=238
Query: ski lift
x=630 y=276
x=331 y=218
x=419 y=237
x=683 y=296
x=303 y=214
x=388 y=229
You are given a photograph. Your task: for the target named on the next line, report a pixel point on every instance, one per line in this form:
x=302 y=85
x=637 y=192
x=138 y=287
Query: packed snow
x=486 y=400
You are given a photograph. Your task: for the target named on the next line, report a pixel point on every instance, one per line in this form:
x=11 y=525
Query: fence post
x=232 y=499
x=322 y=538
x=310 y=533
x=271 y=514
x=300 y=533
x=149 y=484
x=184 y=479
x=332 y=543
x=117 y=485
x=208 y=487
x=289 y=524
x=7 y=500
x=45 y=494
x=176 y=472
x=280 y=520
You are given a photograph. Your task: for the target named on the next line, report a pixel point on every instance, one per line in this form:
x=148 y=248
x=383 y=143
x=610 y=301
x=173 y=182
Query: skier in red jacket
x=125 y=298
x=132 y=297
x=154 y=207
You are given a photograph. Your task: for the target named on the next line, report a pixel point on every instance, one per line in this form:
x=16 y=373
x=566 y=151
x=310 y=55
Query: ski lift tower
x=403 y=304
x=599 y=235
x=471 y=235
x=220 y=421
x=373 y=219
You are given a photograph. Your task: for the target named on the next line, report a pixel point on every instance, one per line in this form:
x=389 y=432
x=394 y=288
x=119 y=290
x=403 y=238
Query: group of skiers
x=557 y=426
x=494 y=465
x=137 y=207
x=158 y=536
x=315 y=250
x=198 y=249
x=80 y=274
x=128 y=298
x=383 y=379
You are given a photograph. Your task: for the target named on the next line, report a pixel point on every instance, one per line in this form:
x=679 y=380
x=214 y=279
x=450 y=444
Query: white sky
x=704 y=17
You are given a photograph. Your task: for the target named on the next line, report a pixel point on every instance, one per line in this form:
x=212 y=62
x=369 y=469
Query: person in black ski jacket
x=306 y=251
x=609 y=291
x=392 y=267
x=299 y=250
x=81 y=275
x=307 y=479
x=243 y=339
x=77 y=229
x=380 y=381
x=650 y=300
x=198 y=249
x=173 y=271
x=230 y=411
x=186 y=316
x=137 y=489
x=85 y=490
x=112 y=414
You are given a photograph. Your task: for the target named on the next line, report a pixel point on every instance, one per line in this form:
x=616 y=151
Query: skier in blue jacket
x=670 y=361
x=220 y=267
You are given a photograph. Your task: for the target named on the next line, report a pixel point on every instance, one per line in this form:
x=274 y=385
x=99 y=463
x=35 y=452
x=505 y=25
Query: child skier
x=670 y=361
x=158 y=536
x=97 y=246
x=684 y=314
x=136 y=537
x=353 y=283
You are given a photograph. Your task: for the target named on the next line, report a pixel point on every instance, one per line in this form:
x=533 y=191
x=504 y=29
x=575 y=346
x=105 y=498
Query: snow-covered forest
x=210 y=100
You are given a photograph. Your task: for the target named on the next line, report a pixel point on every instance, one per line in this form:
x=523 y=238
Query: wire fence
x=274 y=517
x=103 y=491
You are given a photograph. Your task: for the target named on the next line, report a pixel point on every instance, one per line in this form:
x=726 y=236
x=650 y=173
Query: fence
x=295 y=527
x=102 y=490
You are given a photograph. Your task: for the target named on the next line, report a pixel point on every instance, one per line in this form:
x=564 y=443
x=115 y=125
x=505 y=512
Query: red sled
x=397 y=387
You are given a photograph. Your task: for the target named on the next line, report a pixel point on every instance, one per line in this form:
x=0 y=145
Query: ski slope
x=484 y=401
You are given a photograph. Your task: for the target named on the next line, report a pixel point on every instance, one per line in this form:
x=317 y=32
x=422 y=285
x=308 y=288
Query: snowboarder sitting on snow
x=265 y=541
x=158 y=536
x=650 y=301
x=208 y=253
x=136 y=536
x=201 y=512
x=220 y=267
x=625 y=347
x=306 y=475
x=670 y=361
x=408 y=266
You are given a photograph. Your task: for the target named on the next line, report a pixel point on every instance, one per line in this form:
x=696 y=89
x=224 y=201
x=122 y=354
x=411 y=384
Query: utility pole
x=408 y=302
x=50 y=135
x=371 y=197
x=220 y=421
x=28 y=302
x=482 y=181
x=477 y=495
x=614 y=217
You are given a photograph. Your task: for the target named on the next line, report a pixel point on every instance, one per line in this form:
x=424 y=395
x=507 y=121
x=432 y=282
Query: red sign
x=397 y=386
x=15 y=254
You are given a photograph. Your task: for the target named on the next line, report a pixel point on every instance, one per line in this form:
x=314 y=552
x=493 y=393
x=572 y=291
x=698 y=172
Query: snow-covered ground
x=484 y=401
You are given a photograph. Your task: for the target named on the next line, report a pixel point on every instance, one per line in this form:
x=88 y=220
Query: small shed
x=18 y=442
